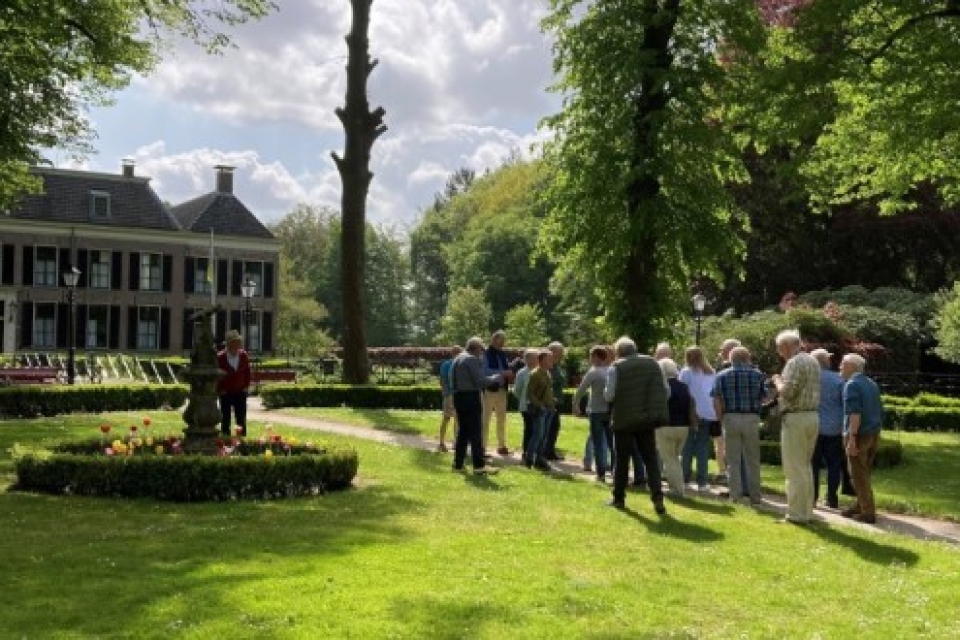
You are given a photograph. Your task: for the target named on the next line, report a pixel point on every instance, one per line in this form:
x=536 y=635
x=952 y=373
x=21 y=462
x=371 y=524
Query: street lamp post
x=70 y=279
x=248 y=289
x=699 y=303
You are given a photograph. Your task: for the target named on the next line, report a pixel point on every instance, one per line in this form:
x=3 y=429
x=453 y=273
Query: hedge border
x=30 y=401
x=185 y=478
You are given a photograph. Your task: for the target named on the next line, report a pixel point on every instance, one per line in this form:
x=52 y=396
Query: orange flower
x=146 y=421
x=104 y=428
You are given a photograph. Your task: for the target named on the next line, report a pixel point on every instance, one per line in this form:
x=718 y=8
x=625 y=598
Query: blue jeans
x=829 y=451
x=538 y=435
x=601 y=439
x=697 y=446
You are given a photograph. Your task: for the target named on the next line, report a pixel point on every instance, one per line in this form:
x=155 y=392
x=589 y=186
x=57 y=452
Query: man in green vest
x=638 y=391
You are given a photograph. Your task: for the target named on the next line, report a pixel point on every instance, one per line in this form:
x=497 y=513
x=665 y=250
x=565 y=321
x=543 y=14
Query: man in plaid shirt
x=738 y=395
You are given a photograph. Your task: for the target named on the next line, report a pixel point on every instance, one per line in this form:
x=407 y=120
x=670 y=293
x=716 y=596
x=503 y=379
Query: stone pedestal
x=202 y=414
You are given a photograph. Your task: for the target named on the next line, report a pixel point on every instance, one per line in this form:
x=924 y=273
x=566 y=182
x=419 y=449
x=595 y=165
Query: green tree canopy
x=59 y=57
x=467 y=315
x=525 y=326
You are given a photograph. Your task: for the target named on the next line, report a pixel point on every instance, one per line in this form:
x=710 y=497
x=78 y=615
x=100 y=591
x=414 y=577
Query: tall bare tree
x=361 y=127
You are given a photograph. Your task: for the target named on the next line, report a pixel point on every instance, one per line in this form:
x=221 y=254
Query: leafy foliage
x=947 y=323
x=468 y=314
x=41 y=400
x=525 y=326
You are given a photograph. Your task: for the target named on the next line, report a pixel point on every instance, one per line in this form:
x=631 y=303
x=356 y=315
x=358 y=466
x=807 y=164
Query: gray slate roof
x=66 y=198
x=222 y=212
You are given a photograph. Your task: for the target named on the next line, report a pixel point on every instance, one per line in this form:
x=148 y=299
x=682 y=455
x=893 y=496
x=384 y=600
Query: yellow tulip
x=268 y=454
x=159 y=449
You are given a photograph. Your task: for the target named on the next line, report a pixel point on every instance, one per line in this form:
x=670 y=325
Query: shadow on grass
x=193 y=553
x=444 y=618
x=386 y=420
x=667 y=525
x=705 y=505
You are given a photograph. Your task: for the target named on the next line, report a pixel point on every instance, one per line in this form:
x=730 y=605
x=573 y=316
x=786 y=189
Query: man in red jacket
x=233 y=387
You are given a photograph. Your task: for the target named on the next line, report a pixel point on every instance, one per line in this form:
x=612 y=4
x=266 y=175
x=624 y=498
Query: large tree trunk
x=650 y=100
x=362 y=128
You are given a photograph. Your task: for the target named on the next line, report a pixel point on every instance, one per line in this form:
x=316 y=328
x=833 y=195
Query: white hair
x=858 y=361
x=788 y=336
x=555 y=346
x=474 y=343
x=624 y=347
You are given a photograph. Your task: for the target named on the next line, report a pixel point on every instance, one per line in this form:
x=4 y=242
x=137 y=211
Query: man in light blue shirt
x=863 y=419
x=828 y=451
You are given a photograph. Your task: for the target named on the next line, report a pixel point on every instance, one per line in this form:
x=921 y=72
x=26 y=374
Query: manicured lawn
x=415 y=551
x=927 y=483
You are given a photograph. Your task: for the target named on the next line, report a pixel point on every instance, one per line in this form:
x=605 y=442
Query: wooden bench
x=29 y=375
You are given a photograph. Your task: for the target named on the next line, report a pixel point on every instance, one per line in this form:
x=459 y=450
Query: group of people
x=648 y=410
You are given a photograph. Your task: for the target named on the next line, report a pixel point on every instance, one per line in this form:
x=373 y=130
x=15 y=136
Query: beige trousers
x=798 y=438
x=670 y=441
x=495 y=402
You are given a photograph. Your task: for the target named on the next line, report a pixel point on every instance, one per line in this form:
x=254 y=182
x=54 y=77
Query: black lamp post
x=699 y=302
x=70 y=279
x=248 y=289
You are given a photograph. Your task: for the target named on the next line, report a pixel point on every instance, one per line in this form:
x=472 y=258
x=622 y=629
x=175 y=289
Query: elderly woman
x=672 y=436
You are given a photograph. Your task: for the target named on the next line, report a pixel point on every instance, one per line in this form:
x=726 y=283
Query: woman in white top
x=699 y=376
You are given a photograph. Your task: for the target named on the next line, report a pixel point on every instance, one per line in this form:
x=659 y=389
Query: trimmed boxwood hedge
x=418 y=397
x=29 y=401
x=889 y=453
x=185 y=478
x=924 y=412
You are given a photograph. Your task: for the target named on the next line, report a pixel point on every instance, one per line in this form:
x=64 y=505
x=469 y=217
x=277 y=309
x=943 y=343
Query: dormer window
x=99 y=205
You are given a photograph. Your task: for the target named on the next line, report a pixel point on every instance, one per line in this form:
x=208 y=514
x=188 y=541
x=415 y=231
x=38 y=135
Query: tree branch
x=952 y=10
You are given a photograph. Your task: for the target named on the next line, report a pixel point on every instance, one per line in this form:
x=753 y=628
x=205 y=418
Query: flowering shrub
x=142 y=465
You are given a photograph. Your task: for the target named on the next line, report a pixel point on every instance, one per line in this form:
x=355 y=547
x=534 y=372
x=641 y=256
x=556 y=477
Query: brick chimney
x=126 y=167
x=224 y=178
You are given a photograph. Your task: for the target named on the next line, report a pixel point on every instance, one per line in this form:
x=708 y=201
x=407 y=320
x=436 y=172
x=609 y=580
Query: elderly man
x=738 y=395
x=863 y=413
x=639 y=392
x=559 y=382
x=716 y=429
x=495 y=395
x=468 y=383
x=799 y=390
x=829 y=449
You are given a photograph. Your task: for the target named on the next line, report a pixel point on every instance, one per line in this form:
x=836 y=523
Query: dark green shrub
x=418 y=397
x=81 y=469
x=924 y=412
x=889 y=453
x=28 y=401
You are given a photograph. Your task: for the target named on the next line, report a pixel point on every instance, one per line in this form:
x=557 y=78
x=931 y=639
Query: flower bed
x=141 y=466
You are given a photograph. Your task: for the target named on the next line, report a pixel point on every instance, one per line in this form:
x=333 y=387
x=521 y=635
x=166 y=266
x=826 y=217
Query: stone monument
x=202 y=414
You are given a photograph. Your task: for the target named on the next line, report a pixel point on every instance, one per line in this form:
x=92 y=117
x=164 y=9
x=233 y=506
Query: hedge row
x=187 y=478
x=29 y=401
x=418 y=397
x=889 y=453
x=923 y=412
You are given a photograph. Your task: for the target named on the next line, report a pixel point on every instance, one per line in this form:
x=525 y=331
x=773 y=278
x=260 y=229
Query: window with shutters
x=45 y=267
x=45 y=324
x=254 y=331
x=151 y=271
x=203 y=275
x=98 y=327
x=100 y=266
x=148 y=328
x=253 y=270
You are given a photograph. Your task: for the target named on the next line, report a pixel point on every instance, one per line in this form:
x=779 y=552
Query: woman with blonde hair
x=699 y=376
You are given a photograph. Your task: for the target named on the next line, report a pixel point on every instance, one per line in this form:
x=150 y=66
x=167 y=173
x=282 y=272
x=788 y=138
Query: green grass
x=927 y=483
x=416 y=551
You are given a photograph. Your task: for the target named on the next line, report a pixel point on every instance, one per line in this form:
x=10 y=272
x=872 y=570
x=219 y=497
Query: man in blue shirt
x=829 y=449
x=863 y=417
x=446 y=389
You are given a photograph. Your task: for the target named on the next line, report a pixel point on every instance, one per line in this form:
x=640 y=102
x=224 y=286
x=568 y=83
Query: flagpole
x=211 y=277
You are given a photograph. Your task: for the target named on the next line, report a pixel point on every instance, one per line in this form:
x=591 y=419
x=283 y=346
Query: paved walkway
x=922 y=528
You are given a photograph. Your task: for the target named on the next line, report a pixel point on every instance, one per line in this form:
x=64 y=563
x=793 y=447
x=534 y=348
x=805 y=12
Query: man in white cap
x=235 y=384
x=829 y=448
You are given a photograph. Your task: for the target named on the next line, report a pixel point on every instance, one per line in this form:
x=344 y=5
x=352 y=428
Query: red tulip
x=133 y=428
x=238 y=431
x=276 y=438
x=104 y=428
x=146 y=422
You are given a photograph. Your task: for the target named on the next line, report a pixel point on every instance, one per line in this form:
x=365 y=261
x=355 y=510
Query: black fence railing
x=910 y=384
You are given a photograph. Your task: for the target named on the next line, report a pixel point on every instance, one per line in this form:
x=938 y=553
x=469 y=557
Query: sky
x=463 y=82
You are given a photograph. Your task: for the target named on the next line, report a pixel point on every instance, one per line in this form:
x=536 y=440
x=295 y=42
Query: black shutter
x=131 y=327
x=7 y=265
x=79 y=329
x=28 y=270
x=26 y=324
x=189 y=269
x=236 y=321
x=113 y=330
x=63 y=316
x=237 y=278
x=167 y=274
x=266 y=332
x=134 y=271
x=187 y=330
x=63 y=265
x=221 y=326
x=83 y=263
x=116 y=273
x=222 y=268
x=164 y=328
x=267 y=279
